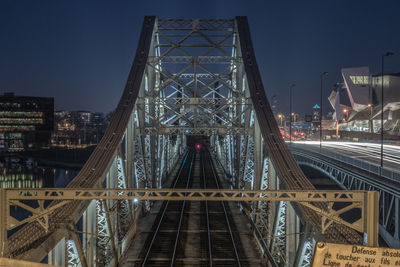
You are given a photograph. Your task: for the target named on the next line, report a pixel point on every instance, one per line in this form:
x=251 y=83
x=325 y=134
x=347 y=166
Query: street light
x=371 y=122
x=345 y=114
x=290 y=114
x=337 y=85
x=387 y=54
x=280 y=116
x=320 y=112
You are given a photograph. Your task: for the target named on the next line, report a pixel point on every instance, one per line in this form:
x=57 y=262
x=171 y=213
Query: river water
x=19 y=173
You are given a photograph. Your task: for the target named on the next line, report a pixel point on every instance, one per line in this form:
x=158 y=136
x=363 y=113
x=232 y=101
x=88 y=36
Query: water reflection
x=22 y=173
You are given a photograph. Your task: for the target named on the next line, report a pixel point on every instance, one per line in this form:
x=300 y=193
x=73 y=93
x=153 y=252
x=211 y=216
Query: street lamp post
x=320 y=112
x=280 y=116
x=290 y=114
x=387 y=54
x=371 y=123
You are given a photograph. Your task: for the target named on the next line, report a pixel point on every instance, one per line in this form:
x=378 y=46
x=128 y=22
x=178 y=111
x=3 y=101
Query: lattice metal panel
x=249 y=163
x=140 y=169
x=263 y=210
x=103 y=241
x=124 y=217
x=72 y=254
x=307 y=253
x=278 y=244
x=191 y=79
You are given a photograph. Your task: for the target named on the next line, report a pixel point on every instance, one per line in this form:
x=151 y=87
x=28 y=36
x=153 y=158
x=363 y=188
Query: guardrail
x=364 y=165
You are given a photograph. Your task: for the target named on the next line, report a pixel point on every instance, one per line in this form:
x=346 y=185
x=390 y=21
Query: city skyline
x=81 y=53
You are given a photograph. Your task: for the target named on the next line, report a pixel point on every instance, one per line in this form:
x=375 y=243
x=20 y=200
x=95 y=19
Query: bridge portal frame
x=366 y=201
x=243 y=128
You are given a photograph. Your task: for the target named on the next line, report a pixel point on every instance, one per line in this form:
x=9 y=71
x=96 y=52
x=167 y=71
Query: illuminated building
x=78 y=128
x=315 y=117
x=357 y=101
x=25 y=122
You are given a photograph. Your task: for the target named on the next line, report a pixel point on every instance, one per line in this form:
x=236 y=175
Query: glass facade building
x=357 y=101
x=25 y=122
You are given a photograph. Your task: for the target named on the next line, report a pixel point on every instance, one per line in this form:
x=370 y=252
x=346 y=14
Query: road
x=370 y=152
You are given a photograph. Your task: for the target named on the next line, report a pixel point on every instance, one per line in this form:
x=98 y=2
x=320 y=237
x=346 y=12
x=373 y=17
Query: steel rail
x=181 y=214
x=207 y=217
x=163 y=212
x=226 y=214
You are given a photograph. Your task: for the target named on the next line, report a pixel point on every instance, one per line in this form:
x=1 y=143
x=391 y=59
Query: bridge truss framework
x=189 y=77
x=353 y=179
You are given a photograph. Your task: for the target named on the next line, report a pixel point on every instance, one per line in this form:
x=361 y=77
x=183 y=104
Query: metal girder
x=13 y=195
x=193 y=131
x=359 y=200
x=187 y=24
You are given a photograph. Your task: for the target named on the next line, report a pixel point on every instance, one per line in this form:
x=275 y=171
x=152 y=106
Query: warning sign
x=339 y=255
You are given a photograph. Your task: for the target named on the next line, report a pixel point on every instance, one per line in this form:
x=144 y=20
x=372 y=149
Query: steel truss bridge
x=189 y=77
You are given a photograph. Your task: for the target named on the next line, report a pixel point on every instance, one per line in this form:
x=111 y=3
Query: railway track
x=194 y=233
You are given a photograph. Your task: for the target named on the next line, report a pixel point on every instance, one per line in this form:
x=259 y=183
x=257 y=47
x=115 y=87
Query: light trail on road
x=370 y=152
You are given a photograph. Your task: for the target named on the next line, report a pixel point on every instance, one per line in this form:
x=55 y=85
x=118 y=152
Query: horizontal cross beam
x=363 y=200
x=185 y=194
x=177 y=130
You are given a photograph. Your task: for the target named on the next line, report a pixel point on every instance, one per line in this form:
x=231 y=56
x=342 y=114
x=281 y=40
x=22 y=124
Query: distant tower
x=315 y=116
x=315 y=113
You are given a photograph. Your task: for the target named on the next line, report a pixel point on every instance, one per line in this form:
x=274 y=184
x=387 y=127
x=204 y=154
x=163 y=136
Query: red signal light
x=198 y=146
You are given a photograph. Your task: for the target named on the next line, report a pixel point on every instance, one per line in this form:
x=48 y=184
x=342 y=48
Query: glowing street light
x=280 y=116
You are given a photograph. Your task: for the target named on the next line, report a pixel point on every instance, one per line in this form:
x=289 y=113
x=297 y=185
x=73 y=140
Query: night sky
x=80 y=52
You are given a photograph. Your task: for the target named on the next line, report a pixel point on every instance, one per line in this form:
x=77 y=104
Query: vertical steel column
x=371 y=208
x=89 y=229
x=396 y=218
x=258 y=158
x=278 y=243
x=129 y=152
x=292 y=230
x=124 y=219
x=57 y=255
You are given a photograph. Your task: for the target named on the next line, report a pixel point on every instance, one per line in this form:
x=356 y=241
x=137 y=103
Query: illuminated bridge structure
x=356 y=174
x=190 y=77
